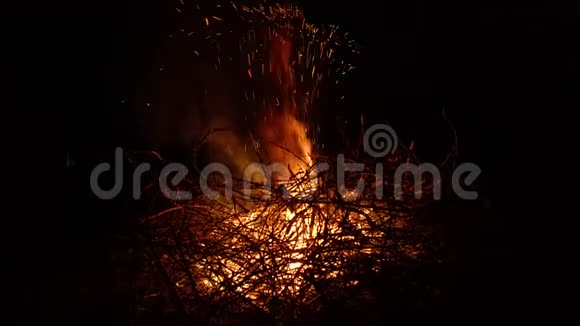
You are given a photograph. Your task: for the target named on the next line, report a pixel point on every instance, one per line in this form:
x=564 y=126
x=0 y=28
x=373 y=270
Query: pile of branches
x=276 y=251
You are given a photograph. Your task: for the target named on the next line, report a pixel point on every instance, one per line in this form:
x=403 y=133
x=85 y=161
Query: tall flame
x=285 y=136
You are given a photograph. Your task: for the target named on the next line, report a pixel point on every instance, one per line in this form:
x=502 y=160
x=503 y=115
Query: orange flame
x=285 y=136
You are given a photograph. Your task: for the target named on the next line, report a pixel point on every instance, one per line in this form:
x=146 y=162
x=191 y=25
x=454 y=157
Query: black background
x=501 y=70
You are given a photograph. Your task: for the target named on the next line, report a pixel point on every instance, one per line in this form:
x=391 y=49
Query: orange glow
x=285 y=136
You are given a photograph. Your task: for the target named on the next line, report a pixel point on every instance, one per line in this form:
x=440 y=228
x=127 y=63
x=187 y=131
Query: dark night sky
x=492 y=65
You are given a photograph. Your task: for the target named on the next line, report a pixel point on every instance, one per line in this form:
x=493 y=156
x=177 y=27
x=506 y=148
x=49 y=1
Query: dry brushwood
x=277 y=250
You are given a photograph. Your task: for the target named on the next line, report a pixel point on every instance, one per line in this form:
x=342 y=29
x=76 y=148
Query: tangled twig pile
x=281 y=249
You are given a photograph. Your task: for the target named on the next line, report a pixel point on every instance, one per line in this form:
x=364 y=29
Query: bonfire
x=288 y=242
